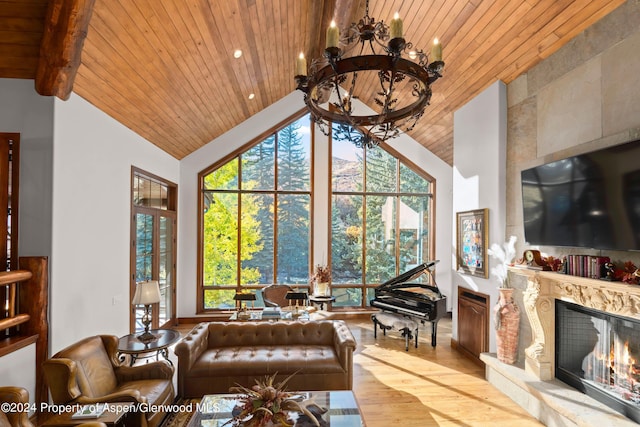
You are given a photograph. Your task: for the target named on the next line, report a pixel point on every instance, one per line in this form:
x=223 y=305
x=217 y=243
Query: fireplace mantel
x=543 y=287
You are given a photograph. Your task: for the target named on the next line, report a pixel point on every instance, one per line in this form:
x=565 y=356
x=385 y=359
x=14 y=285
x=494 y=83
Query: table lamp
x=297 y=297
x=147 y=293
x=243 y=296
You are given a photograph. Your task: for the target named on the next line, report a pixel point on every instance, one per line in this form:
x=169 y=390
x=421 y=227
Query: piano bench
x=388 y=321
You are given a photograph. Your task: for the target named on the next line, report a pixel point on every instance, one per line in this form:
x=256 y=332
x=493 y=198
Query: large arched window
x=258 y=216
x=256 y=220
x=381 y=220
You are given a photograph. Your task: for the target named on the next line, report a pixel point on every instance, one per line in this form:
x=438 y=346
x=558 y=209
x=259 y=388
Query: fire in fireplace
x=599 y=354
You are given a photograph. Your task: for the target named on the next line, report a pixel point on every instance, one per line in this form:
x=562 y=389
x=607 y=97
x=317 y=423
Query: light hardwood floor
x=423 y=387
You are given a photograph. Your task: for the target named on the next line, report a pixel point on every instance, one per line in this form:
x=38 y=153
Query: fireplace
x=599 y=354
x=532 y=381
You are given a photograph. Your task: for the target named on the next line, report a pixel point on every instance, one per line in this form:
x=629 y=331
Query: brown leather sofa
x=218 y=355
x=89 y=372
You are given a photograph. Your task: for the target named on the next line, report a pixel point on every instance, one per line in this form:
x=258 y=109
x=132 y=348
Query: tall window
x=153 y=234
x=256 y=220
x=257 y=211
x=380 y=221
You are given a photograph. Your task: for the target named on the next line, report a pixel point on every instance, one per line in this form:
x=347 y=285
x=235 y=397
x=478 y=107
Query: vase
x=322 y=289
x=507 y=321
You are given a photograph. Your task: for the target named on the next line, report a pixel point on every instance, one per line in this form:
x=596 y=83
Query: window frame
x=316 y=148
x=171 y=212
x=201 y=288
x=401 y=159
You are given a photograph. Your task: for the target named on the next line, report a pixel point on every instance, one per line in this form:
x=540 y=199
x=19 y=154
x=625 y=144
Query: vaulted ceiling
x=166 y=68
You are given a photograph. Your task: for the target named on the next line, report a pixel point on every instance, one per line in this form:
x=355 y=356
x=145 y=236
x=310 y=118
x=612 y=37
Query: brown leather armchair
x=89 y=372
x=275 y=295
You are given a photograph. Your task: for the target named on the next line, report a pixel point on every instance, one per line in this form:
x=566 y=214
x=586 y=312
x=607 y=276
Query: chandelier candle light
x=400 y=87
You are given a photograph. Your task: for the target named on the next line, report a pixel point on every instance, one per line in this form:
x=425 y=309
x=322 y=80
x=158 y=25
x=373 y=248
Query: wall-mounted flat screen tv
x=589 y=201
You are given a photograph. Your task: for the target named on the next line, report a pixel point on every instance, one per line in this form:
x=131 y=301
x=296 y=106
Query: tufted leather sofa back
x=234 y=334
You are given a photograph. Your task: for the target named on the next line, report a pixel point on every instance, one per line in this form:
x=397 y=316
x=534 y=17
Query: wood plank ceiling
x=166 y=68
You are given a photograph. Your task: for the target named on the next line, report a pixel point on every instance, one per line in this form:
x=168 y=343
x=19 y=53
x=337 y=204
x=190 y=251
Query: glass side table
x=136 y=349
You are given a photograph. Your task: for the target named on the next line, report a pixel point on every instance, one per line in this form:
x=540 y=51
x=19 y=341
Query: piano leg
x=434 y=330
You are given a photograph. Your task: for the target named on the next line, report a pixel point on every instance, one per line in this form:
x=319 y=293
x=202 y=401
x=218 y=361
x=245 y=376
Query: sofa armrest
x=344 y=343
x=149 y=371
x=191 y=346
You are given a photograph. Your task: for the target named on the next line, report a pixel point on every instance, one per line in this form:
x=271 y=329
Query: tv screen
x=590 y=201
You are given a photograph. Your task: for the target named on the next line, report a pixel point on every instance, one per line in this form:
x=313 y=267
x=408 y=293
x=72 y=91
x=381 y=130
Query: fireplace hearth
x=598 y=354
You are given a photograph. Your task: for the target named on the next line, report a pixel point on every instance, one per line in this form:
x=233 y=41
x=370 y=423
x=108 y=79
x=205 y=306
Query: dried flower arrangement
x=556 y=264
x=322 y=274
x=267 y=404
x=629 y=273
x=504 y=254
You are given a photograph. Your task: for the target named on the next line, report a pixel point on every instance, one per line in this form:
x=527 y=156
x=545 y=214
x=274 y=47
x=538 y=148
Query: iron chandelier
x=397 y=77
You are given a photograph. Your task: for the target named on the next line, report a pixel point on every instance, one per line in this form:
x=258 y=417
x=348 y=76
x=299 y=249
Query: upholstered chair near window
x=275 y=295
x=89 y=371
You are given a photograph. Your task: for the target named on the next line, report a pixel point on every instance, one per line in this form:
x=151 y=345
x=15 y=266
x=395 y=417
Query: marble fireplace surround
x=533 y=384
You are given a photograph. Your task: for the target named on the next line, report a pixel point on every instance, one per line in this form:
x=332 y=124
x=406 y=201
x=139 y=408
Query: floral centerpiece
x=320 y=280
x=267 y=404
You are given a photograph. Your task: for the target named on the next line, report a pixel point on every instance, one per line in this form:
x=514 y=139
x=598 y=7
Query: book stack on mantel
x=587 y=265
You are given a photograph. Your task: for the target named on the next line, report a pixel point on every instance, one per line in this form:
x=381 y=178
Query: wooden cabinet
x=473 y=323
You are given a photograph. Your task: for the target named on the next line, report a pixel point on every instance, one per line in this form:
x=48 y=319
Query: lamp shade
x=146 y=293
x=299 y=296
x=241 y=296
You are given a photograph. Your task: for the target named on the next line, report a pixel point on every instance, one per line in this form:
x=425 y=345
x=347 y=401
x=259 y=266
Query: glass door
x=144 y=243
x=166 y=268
x=154 y=245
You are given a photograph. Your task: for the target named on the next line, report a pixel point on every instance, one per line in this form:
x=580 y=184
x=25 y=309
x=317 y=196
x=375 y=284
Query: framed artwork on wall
x=472 y=237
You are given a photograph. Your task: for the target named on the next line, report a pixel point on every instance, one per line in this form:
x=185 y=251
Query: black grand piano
x=418 y=301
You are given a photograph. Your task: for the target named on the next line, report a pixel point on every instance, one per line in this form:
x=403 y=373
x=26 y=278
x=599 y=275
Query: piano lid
x=412 y=274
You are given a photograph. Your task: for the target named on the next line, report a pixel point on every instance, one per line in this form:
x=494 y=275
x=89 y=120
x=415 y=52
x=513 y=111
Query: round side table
x=131 y=345
x=321 y=300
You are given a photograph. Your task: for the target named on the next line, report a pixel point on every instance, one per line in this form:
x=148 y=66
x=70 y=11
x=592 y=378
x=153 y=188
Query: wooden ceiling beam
x=65 y=29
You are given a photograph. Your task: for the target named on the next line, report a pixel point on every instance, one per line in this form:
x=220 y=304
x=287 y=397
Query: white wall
x=479 y=134
x=23 y=111
x=93 y=156
x=248 y=130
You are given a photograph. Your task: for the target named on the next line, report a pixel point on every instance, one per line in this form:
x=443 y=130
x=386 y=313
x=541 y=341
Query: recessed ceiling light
x=237 y=53
x=252 y=95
